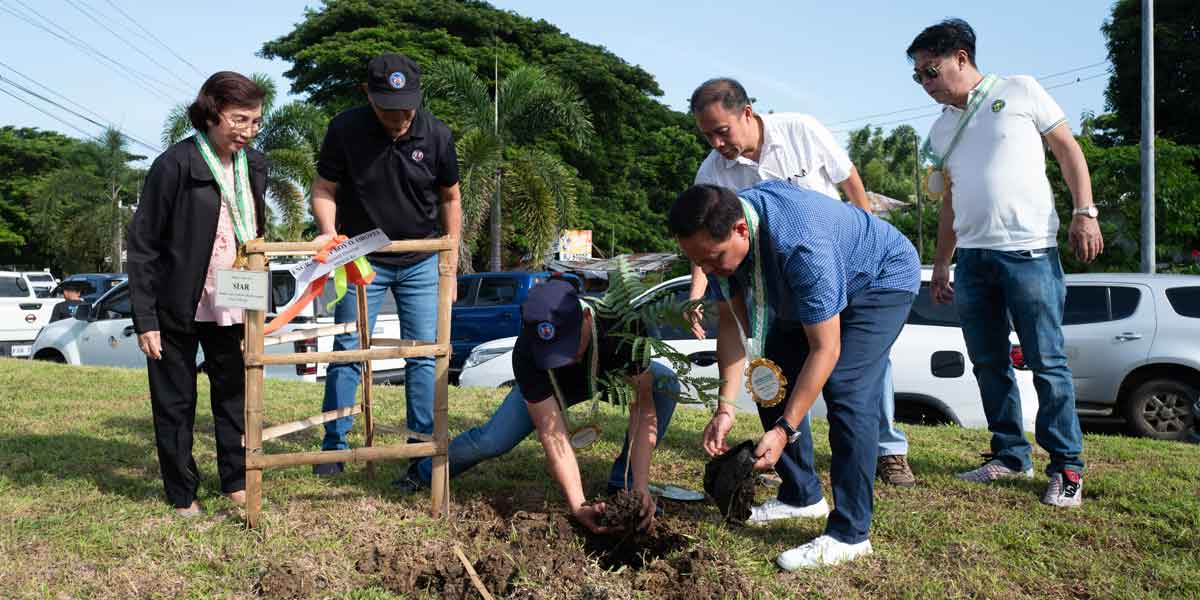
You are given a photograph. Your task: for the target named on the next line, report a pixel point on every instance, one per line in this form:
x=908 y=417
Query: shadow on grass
x=33 y=460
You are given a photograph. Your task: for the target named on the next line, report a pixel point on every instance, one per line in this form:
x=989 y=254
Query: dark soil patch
x=285 y=582
x=729 y=481
x=534 y=554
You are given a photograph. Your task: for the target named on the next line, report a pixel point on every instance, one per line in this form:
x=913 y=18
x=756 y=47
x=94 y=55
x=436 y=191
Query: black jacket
x=172 y=234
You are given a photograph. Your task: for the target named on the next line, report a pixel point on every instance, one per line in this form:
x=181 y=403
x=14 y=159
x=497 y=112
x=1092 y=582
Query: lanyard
x=978 y=96
x=758 y=311
x=241 y=211
x=593 y=351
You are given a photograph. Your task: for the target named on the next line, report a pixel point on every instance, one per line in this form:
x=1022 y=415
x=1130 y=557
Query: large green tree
x=634 y=132
x=1176 y=69
x=27 y=155
x=291 y=138
x=79 y=211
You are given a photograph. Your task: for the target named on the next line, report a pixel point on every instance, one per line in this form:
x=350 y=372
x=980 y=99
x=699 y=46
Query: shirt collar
x=971 y=94
x=768 y=142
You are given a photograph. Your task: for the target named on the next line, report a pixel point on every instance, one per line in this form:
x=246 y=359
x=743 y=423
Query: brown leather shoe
x=894 y=470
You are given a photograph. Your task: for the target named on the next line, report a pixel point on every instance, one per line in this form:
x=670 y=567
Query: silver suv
x=1133 y=342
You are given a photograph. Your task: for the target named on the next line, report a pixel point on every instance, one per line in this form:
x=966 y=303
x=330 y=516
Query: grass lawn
x=82 y=515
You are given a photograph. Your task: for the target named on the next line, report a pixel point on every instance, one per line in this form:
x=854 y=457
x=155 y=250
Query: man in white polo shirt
x=999 y=211
x=749 y=148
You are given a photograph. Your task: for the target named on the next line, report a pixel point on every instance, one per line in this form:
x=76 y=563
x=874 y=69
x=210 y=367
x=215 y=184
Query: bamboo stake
x=403 y=431
x=253 y=340
x=304 y=334
x=357 y=455
x=364 y=341
x=309 y=248
x=283 y=429
x=471 y=571
x=299 y=358
x=440 y=485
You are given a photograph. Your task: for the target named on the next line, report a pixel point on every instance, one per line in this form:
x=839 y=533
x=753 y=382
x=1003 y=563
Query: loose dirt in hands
x=527 y=554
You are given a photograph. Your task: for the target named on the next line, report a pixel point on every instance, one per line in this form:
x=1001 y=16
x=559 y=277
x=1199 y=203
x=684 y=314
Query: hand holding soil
x=625 y=512
x=591 y=516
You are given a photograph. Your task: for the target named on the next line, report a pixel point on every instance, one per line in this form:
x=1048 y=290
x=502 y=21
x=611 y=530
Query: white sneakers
x=822 y=551
x=774 y=510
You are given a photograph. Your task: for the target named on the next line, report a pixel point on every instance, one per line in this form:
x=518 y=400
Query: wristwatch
x=1087 y=211
x=791 y=432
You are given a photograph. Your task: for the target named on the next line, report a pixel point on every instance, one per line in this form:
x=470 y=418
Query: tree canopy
x=641 y=155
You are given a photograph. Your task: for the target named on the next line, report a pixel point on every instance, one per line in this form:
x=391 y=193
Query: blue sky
x=839 y=61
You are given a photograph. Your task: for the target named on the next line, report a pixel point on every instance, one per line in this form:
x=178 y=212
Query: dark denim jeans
x=989 y=287
x=871 y=322
x=415 y=289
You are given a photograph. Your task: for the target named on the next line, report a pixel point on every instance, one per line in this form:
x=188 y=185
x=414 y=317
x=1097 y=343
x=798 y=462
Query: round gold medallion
x=765 y=382
x=585 y=436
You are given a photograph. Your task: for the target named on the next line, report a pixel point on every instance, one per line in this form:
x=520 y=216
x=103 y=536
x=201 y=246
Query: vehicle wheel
x=915 y=412
x=50 y=356
x=1160 y=409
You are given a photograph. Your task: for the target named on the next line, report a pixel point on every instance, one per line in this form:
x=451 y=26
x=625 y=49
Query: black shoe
x=408 y=484
x=329 y=469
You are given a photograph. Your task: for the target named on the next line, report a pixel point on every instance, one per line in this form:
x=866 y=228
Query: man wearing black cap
x=72 y=291
x=388 y=165
x=560 y=356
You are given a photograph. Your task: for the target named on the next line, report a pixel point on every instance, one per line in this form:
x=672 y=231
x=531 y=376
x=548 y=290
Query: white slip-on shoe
x=823 y=550
x=774 y=510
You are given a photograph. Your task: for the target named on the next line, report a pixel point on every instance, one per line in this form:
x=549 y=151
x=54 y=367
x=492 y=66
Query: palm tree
x=496 y=152
x=291 y=138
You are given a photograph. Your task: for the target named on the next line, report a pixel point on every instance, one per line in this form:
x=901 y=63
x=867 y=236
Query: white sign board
x=242 y=289
x=575 y=244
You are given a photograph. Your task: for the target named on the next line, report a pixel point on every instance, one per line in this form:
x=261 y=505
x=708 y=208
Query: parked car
x=22 y=314
x=95 y=284
x=102 y=334
x=42 y=282
x=1133 y=342
x=930 y=369
x=489 y=307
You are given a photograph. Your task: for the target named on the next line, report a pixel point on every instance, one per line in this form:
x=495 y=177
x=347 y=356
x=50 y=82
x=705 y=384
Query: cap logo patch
x=417 y=155
x=545 y=330
x=396 y=80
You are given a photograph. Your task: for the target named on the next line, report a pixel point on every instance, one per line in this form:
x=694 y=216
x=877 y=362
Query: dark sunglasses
x=920 y=75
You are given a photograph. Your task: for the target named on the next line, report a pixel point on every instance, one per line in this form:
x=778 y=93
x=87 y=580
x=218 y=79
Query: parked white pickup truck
x=22 y=314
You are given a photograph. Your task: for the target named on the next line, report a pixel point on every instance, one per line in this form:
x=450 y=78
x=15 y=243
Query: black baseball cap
x=394 y=82
x=553 y=319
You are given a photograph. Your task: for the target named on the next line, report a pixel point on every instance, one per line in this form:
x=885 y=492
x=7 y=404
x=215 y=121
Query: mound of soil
x=530 y=554
x=729 y=481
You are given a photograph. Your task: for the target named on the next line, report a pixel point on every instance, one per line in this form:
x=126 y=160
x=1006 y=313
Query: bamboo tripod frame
x=433 y=446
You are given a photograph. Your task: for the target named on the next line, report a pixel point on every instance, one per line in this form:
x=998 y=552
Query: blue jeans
x=511 y=423
x=870 y=324
x=989 y=287
x=415 y=290
x=891 y=440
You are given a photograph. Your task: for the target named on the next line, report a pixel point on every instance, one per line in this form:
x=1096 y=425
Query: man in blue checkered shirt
x=838 y=287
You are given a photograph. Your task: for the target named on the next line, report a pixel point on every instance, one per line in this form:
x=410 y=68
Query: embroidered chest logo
x=418 y=155
x=545 y=330
x=997 y=106
x=396 y=80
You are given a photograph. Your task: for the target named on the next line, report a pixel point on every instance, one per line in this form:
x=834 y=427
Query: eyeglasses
x=240 y=123
x=927 y=72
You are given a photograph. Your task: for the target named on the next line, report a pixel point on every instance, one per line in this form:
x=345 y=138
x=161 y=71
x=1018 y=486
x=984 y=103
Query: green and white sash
x=756 y=311
x=239 y=201
x=584 y=436
x=935 y=182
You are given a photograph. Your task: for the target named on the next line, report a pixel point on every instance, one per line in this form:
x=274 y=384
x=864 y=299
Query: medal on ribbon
x=764 y=378
x=239 y=202
x=937 y=178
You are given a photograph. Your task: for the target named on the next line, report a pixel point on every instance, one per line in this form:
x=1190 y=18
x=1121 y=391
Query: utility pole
x=115 y=191
x=1148 y=257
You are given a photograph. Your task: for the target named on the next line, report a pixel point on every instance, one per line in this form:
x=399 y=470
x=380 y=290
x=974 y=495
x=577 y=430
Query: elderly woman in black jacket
x=203 y=199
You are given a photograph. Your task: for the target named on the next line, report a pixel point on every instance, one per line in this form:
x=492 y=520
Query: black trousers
x=173 y=400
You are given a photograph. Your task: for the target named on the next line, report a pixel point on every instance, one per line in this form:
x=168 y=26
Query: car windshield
x=40 y=277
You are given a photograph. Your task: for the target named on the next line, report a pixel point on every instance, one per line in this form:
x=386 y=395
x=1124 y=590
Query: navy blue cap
x=553 y=319
x=394 y=82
